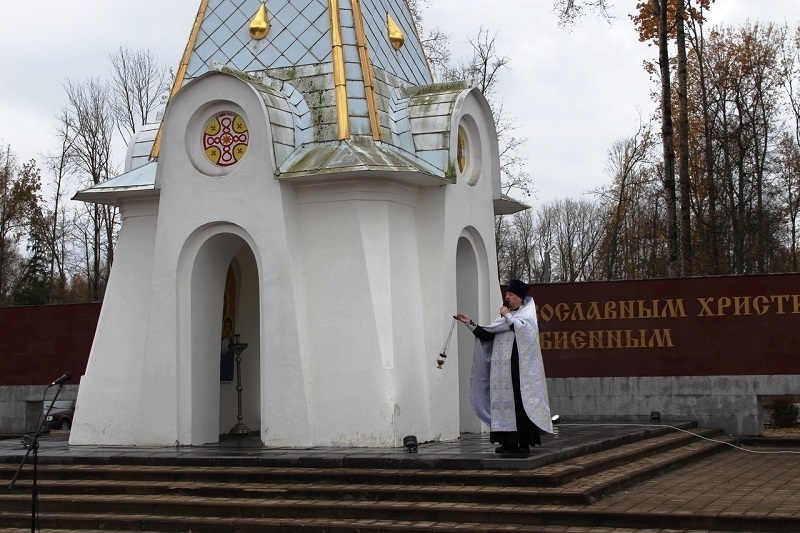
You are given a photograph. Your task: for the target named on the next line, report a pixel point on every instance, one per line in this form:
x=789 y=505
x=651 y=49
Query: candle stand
x=239 y=429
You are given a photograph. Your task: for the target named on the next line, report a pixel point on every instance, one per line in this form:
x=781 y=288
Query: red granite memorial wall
x=731 y=325
x=39 y=343
x=728 y=325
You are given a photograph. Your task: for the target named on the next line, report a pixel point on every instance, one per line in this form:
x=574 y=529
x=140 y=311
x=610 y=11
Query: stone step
x=583 y=490
x=588 y=464
x=550 y=475
x=413 y=517
x=159 y=498
x=149 y=524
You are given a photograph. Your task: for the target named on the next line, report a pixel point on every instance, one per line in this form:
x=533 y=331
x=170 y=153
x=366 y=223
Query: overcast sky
x=573 y=91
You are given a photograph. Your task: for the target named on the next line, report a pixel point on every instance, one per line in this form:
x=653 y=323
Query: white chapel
x=297 y=233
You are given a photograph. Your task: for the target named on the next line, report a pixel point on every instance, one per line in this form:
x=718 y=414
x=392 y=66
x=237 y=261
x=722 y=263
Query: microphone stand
x=32 y=445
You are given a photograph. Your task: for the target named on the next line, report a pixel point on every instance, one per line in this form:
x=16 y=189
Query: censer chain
x=443 y=353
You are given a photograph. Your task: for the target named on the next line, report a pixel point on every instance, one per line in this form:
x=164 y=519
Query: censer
x=443 y=353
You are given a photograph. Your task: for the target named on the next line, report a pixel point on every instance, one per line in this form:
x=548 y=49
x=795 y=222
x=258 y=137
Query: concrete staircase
x=219 y=498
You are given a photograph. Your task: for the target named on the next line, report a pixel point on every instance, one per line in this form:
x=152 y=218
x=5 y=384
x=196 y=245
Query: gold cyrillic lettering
x=561 y=340
x=626 y=309
x=614 y=338
x=660 y=338
x=596 y=339
x=578 y=339
x=780 y=299
x=761 y=305
x=600 y=339
x=631 y=341
x=741 y=305
x=705 y=303
x=577 y=312
x=673 y=309
x=544 y=340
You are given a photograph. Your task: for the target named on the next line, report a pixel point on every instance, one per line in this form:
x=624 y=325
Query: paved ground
x=734 y=483
x=753 y=481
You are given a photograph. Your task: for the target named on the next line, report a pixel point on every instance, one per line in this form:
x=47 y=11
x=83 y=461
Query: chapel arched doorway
x=224 y=284
x=468 y=285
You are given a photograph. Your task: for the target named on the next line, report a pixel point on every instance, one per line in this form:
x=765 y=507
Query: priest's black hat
x=518 y=287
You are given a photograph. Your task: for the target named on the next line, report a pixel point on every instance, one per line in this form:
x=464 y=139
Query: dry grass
x=771 y=431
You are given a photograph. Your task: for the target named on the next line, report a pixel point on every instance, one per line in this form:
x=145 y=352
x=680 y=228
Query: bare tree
x=520 y=246
x=747 y=81
x=789 y=146
x=627 y=164
x=704 y=191
x=90 y=118
x=789 y=164
x=76 y=248
x=504 y=242
x=570 y=228
x=569 y=11
x=579 y=232
x=484 y=67
x=137 y=84
x=527 y=265
x=60 y=167
x=791 y=67
x=660 y=19
x=435 y=42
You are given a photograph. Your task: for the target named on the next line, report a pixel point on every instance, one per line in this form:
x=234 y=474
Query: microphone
x=66 y=377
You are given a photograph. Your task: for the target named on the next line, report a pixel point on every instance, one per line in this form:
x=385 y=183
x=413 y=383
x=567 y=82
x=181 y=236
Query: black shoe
x=524 y=449
x=505 y=448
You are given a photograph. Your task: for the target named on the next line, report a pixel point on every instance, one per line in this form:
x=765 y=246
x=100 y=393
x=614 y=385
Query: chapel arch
x=472 y=289
x=208 y=407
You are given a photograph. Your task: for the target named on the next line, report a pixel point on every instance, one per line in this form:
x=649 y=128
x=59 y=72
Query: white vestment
x=491 y=389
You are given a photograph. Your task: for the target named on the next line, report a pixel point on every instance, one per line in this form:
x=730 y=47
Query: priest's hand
x=461 y=317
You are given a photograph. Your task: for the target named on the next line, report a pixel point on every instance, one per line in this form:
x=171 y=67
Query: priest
x=508 y=390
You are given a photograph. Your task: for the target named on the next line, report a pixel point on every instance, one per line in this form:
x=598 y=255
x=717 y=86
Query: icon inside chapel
x=226 y=361
x=225 y=138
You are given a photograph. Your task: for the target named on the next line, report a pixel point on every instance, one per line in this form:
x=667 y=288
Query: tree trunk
x=683 y=136
x=709 y=225
x=667 y=138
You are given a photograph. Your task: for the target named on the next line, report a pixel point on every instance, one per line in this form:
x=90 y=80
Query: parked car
x=61 y=414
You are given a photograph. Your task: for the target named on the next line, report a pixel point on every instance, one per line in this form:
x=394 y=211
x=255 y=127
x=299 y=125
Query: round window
x=468 y=150
x=462 y=150
x=225 y=138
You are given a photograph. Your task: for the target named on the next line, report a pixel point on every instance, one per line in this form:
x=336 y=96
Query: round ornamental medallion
x=225 y=138
x=462 y=150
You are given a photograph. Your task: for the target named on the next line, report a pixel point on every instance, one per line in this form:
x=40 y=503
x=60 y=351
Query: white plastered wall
x=457 y=237
x=358 y=243
x=171 y=386
x=348 y=286
x=113 y=378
